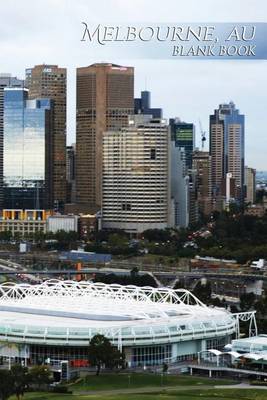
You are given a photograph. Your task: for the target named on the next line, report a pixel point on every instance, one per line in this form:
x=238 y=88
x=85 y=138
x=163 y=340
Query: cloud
x=34 y=32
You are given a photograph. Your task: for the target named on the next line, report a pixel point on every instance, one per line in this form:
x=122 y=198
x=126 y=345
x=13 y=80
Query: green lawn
x=123 y=381
x=153 y=386
x=211 y=394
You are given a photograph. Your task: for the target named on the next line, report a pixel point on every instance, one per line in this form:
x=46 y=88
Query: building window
x=153 y=154
x=151 y=355
x=126 y=206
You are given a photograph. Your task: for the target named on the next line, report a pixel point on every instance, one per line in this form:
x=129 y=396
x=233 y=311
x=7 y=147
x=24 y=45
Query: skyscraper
x=250 y=183
x=70 y=166
x=136 y=176
x=183 y=134
x=202 y=166
x=179 y=188
x=27 y=160
x=227 y=147
x=6 y=80
x=142 y=105
x=105 y=98
x=49 y=81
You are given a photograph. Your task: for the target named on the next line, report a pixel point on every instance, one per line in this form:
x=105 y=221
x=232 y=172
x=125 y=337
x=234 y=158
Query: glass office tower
x=27 y=147
x=183 y=134
x=227 y=147
x=6 y=80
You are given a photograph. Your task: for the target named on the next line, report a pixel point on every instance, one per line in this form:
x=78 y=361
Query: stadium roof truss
x=128 y=301
x=126 y=314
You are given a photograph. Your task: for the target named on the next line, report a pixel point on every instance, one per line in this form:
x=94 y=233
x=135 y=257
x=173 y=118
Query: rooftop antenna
x=203 y=136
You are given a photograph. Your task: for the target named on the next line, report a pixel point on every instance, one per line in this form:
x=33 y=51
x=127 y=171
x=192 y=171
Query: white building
x=136 y=176
x=65 y=223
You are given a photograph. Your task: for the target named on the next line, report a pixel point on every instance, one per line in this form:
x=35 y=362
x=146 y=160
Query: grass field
x=211 y=394
x=108 y=387
x=125 y=381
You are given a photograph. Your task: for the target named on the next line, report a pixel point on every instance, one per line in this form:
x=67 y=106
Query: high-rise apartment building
x=250 y=183
x=136 y=176
x=202 y=166
x=105 y=99
x=6 y=80
x=183 y=134
x=49 y=81
x=227 y=147
x=27 y=157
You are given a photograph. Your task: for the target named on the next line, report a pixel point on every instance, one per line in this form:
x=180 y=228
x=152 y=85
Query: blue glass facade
x=27 y=172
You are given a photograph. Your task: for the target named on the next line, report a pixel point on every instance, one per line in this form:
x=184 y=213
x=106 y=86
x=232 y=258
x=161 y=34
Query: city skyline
x=199 y=85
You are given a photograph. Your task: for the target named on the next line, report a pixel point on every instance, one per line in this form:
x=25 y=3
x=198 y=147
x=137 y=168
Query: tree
x=247 y=301
x=6 y=384
x=40 y=375
x=101 y=352
x=203 y=292
x=21 y=379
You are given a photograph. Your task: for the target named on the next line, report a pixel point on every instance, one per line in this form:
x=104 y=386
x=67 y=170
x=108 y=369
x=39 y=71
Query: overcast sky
x=49 y=31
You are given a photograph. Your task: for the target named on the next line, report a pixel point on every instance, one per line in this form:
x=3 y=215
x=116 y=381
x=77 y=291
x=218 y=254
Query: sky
x=49 y=31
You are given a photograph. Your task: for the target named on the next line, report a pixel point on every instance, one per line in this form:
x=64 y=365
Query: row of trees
x=60 y=240
x=134 y=278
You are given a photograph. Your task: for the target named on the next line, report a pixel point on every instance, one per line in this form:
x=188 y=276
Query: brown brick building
x=105 y=98
x=49 y=81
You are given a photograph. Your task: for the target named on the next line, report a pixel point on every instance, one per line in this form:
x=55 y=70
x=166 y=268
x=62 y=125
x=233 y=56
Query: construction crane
x=203 y=136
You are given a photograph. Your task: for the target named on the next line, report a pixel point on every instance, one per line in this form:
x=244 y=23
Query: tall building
x=136 y=176
x=202 y=166
x=142 y=105
x=193 y=201
x=250 y=183
x=105 y=98
x=27 y=157
x=49 y=81
x=6 y=80
x=183 y=134
x=70 y=168
x=179 y=188
x=227 y=147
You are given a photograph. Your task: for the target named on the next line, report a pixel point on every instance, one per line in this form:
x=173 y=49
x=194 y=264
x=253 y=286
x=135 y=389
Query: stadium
x=55 y=320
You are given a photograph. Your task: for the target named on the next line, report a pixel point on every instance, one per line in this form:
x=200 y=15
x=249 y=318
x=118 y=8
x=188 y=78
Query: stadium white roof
x=81 y=309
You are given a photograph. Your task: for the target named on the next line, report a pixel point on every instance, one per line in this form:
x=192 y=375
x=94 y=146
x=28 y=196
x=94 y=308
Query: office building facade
x=142 y=105
x=27 y=160
x=179 y=188
x=105 y=98
x=49 y=81
x=6 y=80
x=136 y=176
x=227 y=147
x=70 y=169
x=183 y=134
x=250 y=183
x=202 y=165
